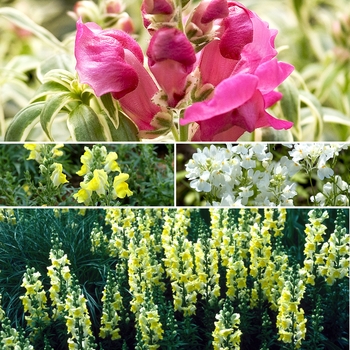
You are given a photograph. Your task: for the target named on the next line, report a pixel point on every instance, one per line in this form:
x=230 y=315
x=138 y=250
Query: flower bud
x=115 y=6
x=88 y=11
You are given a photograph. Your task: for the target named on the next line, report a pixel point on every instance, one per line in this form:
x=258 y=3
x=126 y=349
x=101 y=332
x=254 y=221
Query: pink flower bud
x=171 y=58
x=114 y=6
x=153 y=7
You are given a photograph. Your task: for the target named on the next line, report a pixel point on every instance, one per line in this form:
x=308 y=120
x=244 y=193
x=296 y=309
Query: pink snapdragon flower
x=244 y=75
x=112 y=61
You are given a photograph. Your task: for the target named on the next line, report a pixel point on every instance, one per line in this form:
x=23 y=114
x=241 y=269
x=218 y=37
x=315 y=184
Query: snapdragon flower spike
x=171 y=58
x=244 y=77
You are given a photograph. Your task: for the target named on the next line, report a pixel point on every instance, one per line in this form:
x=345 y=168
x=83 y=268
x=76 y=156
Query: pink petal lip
x=228 y=95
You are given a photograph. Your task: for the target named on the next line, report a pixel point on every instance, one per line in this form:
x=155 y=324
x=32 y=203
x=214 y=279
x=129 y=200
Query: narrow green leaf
x=127 y=130
x=332 y=115
x=316 y=110
x=59 y=76
x=109 y=106
x=21 y=20
x=48 y=88
x=62 y=62
x=290 y=105
x=23 y=122
x=84 y=124
x=52 y=107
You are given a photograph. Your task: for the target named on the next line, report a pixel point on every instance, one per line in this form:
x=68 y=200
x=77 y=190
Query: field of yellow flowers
x=174 y=279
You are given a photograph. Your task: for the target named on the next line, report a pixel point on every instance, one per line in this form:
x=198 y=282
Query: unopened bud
x=88 y=11
x=115 y=6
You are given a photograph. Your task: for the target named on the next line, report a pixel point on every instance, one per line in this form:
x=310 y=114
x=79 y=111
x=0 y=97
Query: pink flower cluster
x=218 y=69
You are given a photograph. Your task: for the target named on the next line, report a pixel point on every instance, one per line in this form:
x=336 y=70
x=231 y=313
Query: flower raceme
x=219 y=101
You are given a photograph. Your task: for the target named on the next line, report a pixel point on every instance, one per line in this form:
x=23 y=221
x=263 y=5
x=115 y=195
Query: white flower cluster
x=247 y=174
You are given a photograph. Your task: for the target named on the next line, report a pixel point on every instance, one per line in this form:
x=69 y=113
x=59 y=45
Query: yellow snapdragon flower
x=34 y=151
x=85 y=159
x=98 y=183
x=120 y=187
x=83 y=196
x=57 y=177
x=110 y=162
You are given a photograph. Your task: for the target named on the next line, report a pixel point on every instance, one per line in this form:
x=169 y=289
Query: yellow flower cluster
x=40 y=153
x=333 y=260
x=273 y=262
x=8 y=215
x=44 y=155
x=67 y=300
x=315 y=232
x=77 y=320
x=149 y=324
x=34 y=301
x=112 y=304
x=232 y=245
x=60 y=279
x=227 y=334
x=134 y=242
x=11 y=338
x=97 y=164
x=291 y=322
x=179 y=262
x=207 y=265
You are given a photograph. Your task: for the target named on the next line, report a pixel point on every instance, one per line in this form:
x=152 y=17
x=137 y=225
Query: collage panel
x=132 y=278
x=263 y=174
x=74 y=174
x=123 y=236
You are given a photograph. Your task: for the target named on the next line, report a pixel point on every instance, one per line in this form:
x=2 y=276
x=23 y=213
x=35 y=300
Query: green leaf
x=60 y=76
x=23 y=122
x=290 y=105
x=127 y=130
x=317 y=113
x=52 y=107
x=62 y=62
x=334 y=116
x=48 y=88
x=22 y=63
x=22 y=21
x=85 y=125
x=109 y=107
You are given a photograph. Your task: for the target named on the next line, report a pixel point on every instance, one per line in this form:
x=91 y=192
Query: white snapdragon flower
x=319 y=199
x=229 y=200
x=245 y=193
x=202 y=184
x=323 y=171
x=300 y=152
x=247 y=160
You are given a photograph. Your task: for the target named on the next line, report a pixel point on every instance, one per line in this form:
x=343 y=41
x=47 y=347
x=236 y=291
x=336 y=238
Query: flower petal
x=228 y=95
x=172 y=44
x=138 y=104
x=238 y=32
x=271 y=74
x=216 y=9
x=100 y=61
